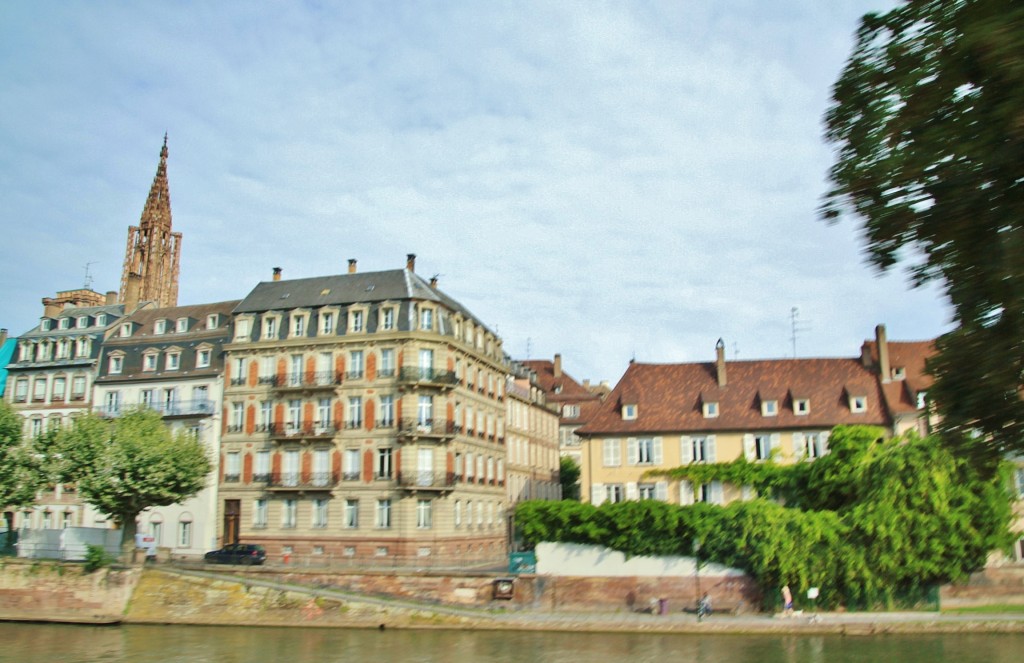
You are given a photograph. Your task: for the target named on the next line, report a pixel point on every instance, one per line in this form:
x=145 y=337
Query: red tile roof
x=669 y=397
x=564 y=390
x=911 y=356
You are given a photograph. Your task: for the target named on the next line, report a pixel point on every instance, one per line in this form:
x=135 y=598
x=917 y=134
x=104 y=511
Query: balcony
x=430 y=428
x=314 y=481
x=431 y=377
x=302 y=430
x=424 y=480
x=307 y=381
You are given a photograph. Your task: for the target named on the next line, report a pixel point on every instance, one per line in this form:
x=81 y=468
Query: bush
x=96 y=558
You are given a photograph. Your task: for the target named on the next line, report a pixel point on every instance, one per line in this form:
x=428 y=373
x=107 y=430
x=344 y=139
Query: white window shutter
x=798 y=446
x=685 y=450
x=716 y=492
x=631 y=492
x=748 y=447
x=661 y=491
x=776 y=441
x=631 y=453
x=747 y=493
x=656 y=455
x=823 y=441
x=711 y=454
x=685 y=492
x=597 y=494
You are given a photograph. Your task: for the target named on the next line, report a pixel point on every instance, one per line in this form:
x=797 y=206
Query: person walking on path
x=787 y=601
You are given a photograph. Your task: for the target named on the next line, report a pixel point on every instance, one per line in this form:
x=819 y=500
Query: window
x=82 y=347
x=112 y=403
x=629 y=411
x=295 y=371
x=173 y=361
x=387 y=319
x=759 y=446
x=259 y=513
x=384 y=468
x=355 y=364
x=160 y=327
x=425 y=411
x=203 y=358
x=326 y=323
x=387 y=362
x=149 y=361
x=355 y=319
x=78 y=388
x=710 y=409
x=571 y=411
x=320 y=513
x=351 y=514
x=82 y=322
x=711 y=492
x=383 y=519
x=350 y=465
x=699 y=449
x=101 y=319
x=1018 y=480
x=21 y=391
x=270 y=328
x=426 y=319
x=922 y=400
x=470 y=467
x=126 y=330
x=39 y=389
x=65 y=323
x=289 y=513
x=294 y=422
x=232 y=467
x=116 y=364
x=181 y=325
x=424 y=517
x=63 y=348
x=298 y=325
x=184 y=533
x=237 y=418
x=458 y=513
x=645 y=491
x=261 y=470
x=387 y=411
x=323 y=415
x=801 y=406
x=212 y=321
x=36 y=426
x=612 y=452
x=858 y=403
x=354 y=418
x=241 y=329
x=644 y=451
x=59 y=386
x=45 y=324
x=266 y=416
x=614 y=492
x=769 y=408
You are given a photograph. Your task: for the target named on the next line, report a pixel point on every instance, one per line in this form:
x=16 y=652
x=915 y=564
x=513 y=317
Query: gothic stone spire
x=151 y=260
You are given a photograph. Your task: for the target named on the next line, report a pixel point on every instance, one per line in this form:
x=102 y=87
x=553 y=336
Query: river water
x=197 y=644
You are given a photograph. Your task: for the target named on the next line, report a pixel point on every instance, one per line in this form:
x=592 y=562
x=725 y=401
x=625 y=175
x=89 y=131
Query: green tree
x=125 y=465
x=20 y=473
x=927 y=119
x=569 y=477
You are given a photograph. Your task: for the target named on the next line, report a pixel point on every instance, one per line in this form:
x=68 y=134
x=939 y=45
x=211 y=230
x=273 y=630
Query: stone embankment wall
x=1000 y=585
x=56 y=591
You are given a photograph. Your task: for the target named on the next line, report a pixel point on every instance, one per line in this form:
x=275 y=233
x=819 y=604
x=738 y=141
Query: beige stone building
x=363 y=418
x=531 y=427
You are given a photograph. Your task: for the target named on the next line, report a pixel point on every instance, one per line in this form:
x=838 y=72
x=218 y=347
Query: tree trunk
x=128 y=531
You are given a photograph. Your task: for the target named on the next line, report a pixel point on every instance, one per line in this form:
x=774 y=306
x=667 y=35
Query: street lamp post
x=696 y=573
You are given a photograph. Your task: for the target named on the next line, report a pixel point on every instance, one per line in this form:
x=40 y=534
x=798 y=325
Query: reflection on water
x=197 y=644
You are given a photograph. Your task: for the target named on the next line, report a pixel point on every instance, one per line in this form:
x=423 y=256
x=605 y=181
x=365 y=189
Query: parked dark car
x=237 y=553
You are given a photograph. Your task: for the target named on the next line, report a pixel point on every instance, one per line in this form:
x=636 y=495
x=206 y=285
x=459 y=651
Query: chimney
x=410 y=262
x=277 y=273
x=3 y=336
x=433 y=282
x=111 y=297
x=51 y=307
x=558 y=366
x=351 y=265
x=883 y=354
x=720 y=362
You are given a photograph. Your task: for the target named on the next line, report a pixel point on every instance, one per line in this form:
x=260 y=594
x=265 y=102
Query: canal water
x=218 y=644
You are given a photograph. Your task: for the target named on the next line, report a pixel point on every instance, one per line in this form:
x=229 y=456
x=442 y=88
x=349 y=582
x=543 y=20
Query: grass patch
x=986 y=609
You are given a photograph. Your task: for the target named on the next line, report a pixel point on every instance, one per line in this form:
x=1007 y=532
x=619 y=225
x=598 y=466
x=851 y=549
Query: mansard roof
x=670 y=397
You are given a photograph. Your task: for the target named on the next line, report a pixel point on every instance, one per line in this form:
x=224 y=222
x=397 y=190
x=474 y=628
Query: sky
x=609 y=181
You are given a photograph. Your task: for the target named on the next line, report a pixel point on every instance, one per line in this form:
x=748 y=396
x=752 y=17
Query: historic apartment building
x=661 y=416
x=171 y=360
x=50 y=380
x=363 y=417
x=531 y=427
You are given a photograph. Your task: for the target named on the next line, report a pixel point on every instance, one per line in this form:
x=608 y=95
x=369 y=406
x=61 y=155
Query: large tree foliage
x=20 y=475
x=872 y=523
x=928 y=119
x=125 y=465
x=569 y=478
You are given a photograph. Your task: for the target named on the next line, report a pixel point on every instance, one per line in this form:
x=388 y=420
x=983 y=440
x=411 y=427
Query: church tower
x=151 y=260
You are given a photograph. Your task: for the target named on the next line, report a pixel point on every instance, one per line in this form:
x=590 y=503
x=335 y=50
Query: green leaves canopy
x=928 y=120
x=20 y=474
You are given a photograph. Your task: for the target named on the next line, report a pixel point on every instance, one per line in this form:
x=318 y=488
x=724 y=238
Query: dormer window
x=710 y=409
x=327 y=323
x=629 y=412
x=101 y=319
x=203 y=356
x=426 y=319
x=173 y=361
x=922 y=400
x=769 y=408
x=242 y=326
x=387 y=318
x=116 y=364
x=160 y=327
x=82 y=322
x=65 y=323
x=181 y=325
x=298 y=325
x=899 y=373
x=270 y=328
x=44 y=324
x=801 y=406
x=212 y=321
x=355 y=321
x=858 y=403
x=149 y=360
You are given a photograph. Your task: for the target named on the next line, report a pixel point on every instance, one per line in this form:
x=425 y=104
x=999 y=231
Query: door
x=232 y=514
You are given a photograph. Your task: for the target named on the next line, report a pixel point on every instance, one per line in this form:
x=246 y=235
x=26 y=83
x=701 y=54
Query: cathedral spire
x=151 y=259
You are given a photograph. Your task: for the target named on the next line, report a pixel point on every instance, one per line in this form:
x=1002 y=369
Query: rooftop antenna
x=528 y=347
x=796 y=326
x=88 y=276
x=735 y=350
